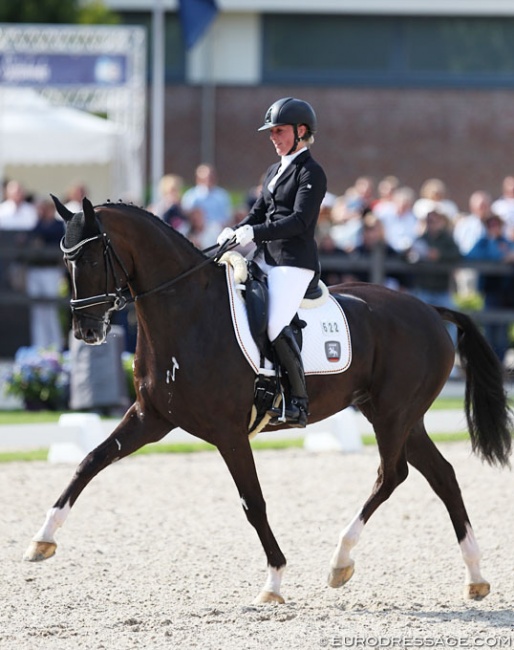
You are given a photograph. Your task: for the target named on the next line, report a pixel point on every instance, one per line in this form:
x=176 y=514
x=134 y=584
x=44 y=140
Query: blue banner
x=195 y=18
x=20 y=69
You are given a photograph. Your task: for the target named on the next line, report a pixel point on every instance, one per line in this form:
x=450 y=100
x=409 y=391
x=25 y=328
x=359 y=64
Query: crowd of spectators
x=424 y=229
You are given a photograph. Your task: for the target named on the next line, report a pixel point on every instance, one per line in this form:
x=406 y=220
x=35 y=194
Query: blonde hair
x=434 y=189
x=170 y=183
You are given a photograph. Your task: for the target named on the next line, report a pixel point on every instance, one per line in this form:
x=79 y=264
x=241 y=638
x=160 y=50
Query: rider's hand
x=225 y=235
x=244 y=235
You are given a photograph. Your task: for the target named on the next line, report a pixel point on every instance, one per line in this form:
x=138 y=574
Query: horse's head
x=91 y=263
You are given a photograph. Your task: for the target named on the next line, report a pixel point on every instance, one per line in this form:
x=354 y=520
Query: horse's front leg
x=135 y=430
x=240 y=462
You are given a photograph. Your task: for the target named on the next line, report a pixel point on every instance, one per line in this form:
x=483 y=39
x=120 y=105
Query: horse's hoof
x=477 y=590
x=339 y=577
x=38 y=551
x=269 y=597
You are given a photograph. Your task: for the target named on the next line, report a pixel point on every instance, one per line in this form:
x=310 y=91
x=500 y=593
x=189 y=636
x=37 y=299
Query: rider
x=282 y=223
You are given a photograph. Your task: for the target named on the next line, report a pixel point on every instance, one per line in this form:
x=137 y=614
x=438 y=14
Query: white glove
x=244 y=235
x=225 y=235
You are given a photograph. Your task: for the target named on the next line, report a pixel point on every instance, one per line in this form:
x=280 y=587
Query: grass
x=195 y=447
x=41 y=417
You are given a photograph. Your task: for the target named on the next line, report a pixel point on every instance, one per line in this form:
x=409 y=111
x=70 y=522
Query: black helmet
x=289 y=110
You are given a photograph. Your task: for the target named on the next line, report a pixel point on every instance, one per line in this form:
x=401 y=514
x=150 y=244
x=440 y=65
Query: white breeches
x=287 y=286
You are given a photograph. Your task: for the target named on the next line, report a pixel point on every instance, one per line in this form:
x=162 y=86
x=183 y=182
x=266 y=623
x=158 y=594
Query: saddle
x=268 y=390
x=325 y=345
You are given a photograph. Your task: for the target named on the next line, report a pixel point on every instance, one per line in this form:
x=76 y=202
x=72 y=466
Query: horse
x=189 y=372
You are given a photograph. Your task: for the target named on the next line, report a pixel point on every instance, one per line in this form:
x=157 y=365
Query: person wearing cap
x=497 y=290
x=282 y=223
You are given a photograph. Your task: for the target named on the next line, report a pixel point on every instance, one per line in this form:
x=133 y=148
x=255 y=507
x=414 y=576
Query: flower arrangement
x=41 y=377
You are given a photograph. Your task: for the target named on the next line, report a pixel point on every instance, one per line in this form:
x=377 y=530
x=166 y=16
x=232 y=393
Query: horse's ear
x=62 y=210
x=89 y=211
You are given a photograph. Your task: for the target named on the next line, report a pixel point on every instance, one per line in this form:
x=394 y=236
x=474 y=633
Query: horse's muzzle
x=90 y=331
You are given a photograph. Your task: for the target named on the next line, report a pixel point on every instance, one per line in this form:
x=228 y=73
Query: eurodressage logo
x=333 y=351
x=402 y=642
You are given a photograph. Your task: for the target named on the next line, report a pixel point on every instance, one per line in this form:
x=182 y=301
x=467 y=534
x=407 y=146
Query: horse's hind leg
x=240 y=462
x=426 y=458
x=392 y=471
x=131 y=434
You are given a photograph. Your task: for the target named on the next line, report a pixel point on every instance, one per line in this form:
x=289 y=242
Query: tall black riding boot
x=290 y=358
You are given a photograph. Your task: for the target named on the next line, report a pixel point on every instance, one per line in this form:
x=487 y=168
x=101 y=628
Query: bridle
x=119 y=299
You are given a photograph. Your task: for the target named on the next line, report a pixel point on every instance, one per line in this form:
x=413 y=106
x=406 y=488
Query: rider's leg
x=287 y=286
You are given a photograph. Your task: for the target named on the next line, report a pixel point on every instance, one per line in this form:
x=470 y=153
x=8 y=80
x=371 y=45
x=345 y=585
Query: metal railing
x=377 y=266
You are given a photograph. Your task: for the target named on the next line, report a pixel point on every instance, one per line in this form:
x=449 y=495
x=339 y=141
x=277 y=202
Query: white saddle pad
x=326 y=339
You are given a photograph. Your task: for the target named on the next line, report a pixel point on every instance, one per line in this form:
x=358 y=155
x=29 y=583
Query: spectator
x=213 y=200
x=327 y=247
x=16 y=213
x=199 y=231
x=346 y=224
x=324 y=224
x=44 y=277
x=467 y=231
x=361 y=197
x=386 y=189
x=170 y=195
x=374 y=244
x=174 y=214
x=401 y=227
x=76 y=192
x=470 y=227
x=498 y=290
x=504 y=205
x=433 y=196
x=435 y=245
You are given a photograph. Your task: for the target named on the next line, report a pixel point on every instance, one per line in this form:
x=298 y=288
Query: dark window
x=388 y=50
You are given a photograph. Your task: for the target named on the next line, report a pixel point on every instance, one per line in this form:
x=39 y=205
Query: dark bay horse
x=189 y=372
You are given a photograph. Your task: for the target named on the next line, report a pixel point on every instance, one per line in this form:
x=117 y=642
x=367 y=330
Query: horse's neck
x=158 y=255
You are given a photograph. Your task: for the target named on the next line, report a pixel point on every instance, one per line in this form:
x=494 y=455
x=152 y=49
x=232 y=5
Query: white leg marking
x=347 y=540
x=55 y=518
x=274 y=580
x=471 y=555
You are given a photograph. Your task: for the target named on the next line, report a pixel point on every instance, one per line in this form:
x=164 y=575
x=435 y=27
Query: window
x=388 y=50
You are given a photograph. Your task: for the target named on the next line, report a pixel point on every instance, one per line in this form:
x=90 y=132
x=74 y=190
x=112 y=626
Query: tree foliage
x=93 y=12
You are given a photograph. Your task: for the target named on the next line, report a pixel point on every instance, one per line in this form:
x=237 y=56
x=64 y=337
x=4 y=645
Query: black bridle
x=119 y=299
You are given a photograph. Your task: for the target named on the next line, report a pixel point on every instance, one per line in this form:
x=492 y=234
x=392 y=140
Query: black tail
x=489 y=417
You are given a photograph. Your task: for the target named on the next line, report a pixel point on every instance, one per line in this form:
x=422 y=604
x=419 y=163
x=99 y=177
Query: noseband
x=116 y=300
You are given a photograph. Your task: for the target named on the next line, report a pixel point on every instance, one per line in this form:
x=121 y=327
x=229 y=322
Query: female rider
x=282 y=223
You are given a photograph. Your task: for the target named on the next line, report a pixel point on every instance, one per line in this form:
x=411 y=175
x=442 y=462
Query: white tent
x=48 y=148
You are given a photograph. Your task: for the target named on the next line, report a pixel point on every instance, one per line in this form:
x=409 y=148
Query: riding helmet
x=289 y=110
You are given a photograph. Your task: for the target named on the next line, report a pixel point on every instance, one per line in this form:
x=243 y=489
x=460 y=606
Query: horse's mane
x=155 y=220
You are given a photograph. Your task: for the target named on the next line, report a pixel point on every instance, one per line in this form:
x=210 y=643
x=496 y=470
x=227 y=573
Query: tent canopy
x=36 y=136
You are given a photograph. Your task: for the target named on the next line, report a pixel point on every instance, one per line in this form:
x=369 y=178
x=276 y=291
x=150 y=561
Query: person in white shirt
x=433 y=196
x=470 y=227
x=504 y=205
x=401 y=226
x=16 y=213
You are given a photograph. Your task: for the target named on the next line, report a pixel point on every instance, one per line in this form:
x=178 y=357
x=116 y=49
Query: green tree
x=93 y=12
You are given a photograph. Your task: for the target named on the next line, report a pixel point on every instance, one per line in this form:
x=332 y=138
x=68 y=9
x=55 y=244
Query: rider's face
x=283 y=138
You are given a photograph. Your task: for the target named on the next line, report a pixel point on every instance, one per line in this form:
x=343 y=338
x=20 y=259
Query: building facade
x=414 y=88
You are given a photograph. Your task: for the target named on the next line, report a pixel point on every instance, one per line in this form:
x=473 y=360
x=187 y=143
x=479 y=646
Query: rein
x=118 y=300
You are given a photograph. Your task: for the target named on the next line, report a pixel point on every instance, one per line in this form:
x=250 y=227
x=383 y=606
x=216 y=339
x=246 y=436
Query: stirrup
x=292 y=415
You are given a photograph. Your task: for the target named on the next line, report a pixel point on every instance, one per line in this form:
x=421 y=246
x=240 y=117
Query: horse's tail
x=488 y=414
